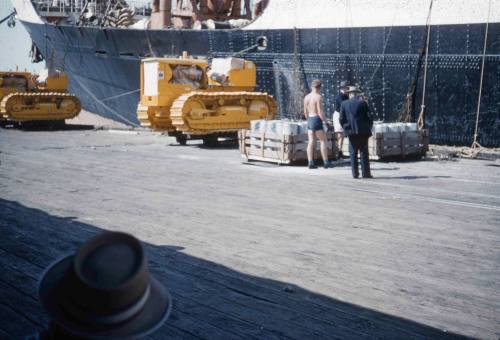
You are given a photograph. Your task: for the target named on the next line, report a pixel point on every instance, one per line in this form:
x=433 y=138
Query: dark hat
x=353 y=89
x=316 y=83
x=344 y=84
x=105 y=290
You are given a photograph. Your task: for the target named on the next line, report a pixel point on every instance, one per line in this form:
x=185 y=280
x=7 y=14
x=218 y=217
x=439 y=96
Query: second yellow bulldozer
x=189 y=98
x=24 y=98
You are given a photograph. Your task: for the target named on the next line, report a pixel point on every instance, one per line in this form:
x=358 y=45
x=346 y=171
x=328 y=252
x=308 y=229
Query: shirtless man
x=313 y=111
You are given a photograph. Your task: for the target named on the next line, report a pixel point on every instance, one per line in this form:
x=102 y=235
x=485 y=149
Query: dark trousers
x=359 y=143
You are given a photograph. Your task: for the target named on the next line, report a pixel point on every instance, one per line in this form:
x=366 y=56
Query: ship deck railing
x=51 y=8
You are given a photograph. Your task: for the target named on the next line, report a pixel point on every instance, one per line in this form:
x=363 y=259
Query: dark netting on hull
x=382 y=60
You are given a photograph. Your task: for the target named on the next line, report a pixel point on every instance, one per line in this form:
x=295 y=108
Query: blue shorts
x=314 y=123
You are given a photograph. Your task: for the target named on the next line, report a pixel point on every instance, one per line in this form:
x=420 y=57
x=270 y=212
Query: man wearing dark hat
x=103 y=291
x=337 y=127
x=357 y=123
x=313 y=111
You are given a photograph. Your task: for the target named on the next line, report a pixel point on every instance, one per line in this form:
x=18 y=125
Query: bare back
x=313 y=105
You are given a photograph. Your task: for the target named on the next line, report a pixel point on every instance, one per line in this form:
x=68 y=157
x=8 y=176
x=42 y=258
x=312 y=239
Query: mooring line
x=120 y=95
x=113 y=111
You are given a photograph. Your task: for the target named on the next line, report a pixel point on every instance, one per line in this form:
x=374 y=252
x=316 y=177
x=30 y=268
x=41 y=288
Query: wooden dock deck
x=258 y=251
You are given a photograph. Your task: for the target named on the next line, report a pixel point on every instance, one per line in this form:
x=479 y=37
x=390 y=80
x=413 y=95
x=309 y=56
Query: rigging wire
x=7 y=17
x=350 y=25
x=101 y=102
x=296 y=74
x=368 y=84
x=120 y=95
x=408 y=111
x=421 y=116
x=475 y=144
x=386 y=42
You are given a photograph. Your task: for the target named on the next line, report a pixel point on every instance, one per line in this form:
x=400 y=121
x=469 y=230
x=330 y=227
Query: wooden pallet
x=280 y=149
x=384 y=145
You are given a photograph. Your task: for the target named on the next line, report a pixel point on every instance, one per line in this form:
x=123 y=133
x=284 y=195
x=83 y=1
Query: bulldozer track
x=143 y=116
x=154 y=118
x=181 y=120
x=38 y=98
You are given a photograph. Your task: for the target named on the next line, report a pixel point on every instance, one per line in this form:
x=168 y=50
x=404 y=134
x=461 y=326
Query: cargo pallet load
x=280 y=141
x=395 y=141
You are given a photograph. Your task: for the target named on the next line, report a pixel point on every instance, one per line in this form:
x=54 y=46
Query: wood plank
x=395 y=144
x=267 y=159
x=277 y=157
x=15 y=325
x=24 y=308
x=18 y=277
x=289 y=147
x=249 y=136
x=168 y=332
x=281 y=149
x=273 y=136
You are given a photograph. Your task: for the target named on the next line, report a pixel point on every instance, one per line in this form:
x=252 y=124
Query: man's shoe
x=312 y=165
x=355 y=177
x=327 y=164
x=368 y=176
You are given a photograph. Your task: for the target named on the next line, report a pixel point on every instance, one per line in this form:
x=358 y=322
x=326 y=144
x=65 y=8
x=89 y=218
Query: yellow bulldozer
x=27 y=99
x=190 y=99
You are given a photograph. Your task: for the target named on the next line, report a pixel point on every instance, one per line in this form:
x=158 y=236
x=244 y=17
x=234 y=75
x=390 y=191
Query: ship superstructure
x=379 y=45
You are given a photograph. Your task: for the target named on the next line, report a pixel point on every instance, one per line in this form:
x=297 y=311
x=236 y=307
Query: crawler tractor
x=189 y=99
x=24 y=99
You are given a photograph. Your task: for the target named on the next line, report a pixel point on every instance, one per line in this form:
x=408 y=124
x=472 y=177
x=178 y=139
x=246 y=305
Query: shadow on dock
x=211 y=301
x=49 y=126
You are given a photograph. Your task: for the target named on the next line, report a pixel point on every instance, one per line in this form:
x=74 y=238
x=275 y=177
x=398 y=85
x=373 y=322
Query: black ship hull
x=103 y=65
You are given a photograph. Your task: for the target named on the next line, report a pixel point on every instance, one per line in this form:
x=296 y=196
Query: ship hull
x=103 y=66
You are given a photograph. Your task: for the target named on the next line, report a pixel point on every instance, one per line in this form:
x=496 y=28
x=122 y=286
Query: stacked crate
x=280 y=141
x=395 y=140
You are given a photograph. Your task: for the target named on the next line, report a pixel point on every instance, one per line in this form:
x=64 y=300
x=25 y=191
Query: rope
x=120 y=95
x=475 y=145
x=367 y=86
x=297 y=84
x=7 y=17
x=350 y=26
x=45 y=56
x=114 y=112
x=421 y=116
x=386 y=42
x=407 y=113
